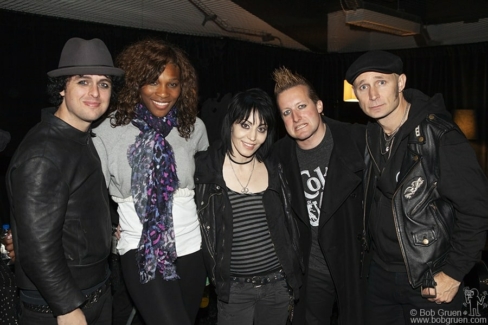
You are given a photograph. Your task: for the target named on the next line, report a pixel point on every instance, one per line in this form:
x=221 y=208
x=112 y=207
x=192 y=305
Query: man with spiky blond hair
x=323 y=163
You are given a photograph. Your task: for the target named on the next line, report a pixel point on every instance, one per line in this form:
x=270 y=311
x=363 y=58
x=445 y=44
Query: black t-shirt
x=313 y=169
x=387 y=252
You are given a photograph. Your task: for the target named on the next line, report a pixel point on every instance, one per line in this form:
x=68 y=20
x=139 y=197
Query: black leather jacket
x=424 y=220
x=437 y=226
x=215 y=214
x=60 y=214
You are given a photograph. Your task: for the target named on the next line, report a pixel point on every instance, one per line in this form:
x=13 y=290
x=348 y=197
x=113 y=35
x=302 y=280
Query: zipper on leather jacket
x=364 y=243
x=212 y=254
x=441 y=222
x=395 y=220
x=400 y=241
x=364 y=239
x=206 y=233
x=222 y=255
x=223 y=239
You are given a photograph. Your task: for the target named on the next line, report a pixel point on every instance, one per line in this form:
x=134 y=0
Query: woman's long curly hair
x=143 y=62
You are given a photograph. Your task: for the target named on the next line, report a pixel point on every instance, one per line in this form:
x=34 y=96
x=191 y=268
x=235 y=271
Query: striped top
x=253 y=252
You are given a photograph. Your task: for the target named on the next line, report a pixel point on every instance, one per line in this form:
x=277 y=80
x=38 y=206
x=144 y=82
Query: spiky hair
x=285 y=79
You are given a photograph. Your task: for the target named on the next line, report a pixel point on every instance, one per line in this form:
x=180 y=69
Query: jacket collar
x=209 y=165
x=68 y=132
x=341 y=179
x=344 y=163
x=343 y=140
x=421 y=107
x=271 y=163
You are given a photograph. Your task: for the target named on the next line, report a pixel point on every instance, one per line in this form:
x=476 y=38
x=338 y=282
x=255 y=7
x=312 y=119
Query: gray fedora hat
x=81 y=56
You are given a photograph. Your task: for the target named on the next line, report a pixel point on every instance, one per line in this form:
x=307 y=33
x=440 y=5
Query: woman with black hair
x=250 y=241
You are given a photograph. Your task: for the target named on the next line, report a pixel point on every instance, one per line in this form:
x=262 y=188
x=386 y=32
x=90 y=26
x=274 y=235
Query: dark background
x=31 y=45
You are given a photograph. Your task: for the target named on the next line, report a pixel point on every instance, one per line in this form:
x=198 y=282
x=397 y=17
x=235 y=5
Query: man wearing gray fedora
x=59 y=204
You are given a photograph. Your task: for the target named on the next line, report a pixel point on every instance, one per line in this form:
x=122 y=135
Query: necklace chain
x=388 y=145
x=389 y=138
x=245 y=189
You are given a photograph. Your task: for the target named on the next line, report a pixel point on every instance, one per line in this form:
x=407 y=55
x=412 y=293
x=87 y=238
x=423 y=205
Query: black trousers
x=316 y=304
x=390 y=300
x=321 y=296
x=98 y=313
x=162 y=302
x=122 y=305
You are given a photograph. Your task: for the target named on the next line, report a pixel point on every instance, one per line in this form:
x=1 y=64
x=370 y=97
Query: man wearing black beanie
x=426 y=198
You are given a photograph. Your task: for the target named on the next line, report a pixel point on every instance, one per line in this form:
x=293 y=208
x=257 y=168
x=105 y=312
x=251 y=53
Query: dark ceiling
x=306 y=20
x=312 y=25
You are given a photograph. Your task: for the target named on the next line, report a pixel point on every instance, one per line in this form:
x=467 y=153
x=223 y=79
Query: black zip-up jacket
x=215 y=214
x=60 y=214
x=438 y=193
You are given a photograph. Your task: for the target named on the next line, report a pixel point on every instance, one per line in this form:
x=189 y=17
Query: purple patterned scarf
x=154 y=180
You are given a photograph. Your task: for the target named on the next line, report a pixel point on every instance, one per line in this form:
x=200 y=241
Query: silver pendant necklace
x=388 y=142
x=389 y=138
x=245 y=189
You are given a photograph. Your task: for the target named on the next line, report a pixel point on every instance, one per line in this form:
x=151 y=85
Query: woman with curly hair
x=147 y=147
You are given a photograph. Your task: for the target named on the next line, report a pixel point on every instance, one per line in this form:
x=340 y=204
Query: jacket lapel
x=410 y=159
x=345 y=161
x=339 y=185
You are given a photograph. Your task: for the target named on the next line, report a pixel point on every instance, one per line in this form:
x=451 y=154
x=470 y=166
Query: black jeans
x=390 y=300
x=167 y=302
x=122 y=305
x=255 y=304
x=320 y=298
x=98 y=313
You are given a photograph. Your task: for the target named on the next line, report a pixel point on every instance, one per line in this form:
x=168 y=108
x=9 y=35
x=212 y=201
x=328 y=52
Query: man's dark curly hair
x=56 y=85
x=143 y=62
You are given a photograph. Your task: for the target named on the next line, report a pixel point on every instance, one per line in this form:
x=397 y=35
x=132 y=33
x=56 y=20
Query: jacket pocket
x=425 y=237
